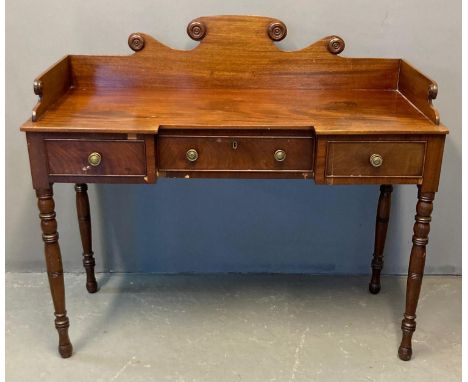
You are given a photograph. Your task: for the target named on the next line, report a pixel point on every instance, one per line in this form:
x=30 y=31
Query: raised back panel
x=234 y=52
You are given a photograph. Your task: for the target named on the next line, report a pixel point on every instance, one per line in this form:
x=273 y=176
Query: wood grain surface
x=347 y=159
x=236 y=153
x=236 y=76
x=119 y=158
x=145 y=110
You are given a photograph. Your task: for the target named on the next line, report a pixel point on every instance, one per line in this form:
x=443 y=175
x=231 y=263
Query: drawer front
x=115 y=157
x=237 y=154
x=375 y=159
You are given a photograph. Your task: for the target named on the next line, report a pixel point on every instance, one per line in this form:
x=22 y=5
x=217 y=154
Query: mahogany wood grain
x=248 y=59
x=381 y=224
x=352 y=159
x=38 y=161
x=119 y=158
x=321 y=160
x=305 y=175
x=233 y=153
x=431 y=168
x=84 y=222
x=416 y=270
x=145 y=110
x=419 y=90
x=101 y=179
x=251 y=83
x=433 y=163
x=53 y=260
x=51 y=85
x=151 y=160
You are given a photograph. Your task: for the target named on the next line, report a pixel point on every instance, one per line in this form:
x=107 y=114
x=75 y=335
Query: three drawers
x=236 y=154
x=96 y=157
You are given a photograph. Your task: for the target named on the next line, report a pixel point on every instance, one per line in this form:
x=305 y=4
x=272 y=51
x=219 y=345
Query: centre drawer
x=255 y=153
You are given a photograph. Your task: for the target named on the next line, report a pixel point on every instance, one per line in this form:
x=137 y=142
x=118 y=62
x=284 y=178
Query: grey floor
x=232 y=328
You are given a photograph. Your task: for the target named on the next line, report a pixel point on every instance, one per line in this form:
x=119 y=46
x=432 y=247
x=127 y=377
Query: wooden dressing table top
x=145 y=110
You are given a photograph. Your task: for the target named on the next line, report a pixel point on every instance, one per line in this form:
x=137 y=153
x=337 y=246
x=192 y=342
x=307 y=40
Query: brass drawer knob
x=191 y=155
x=94 y=159
x=376 y=160
x=280 y=155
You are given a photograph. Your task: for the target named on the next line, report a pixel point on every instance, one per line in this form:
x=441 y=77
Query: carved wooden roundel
x=277 y=31
x=433 y=91
x=336 y=45
x=136 y=42
x=37 y=85
x=196 y=30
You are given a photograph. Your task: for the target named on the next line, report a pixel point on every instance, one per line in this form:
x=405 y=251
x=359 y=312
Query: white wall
x=229 y=225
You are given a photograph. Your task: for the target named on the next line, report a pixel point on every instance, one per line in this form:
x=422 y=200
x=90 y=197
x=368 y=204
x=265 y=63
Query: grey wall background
x=232 y=225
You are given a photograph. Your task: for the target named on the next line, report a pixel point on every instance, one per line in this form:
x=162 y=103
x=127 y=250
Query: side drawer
x=375 y=159
x=96 y=157
x=236 y=153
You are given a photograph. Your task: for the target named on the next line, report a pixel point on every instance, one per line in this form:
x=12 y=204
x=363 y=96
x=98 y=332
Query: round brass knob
x=191 y=155
x=94 y=159
x=280 y=155
x=376 y=160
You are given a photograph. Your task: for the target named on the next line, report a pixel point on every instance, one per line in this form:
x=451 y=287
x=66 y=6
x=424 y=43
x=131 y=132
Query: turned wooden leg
x=84 y=221
x=381 y=224
x=416 y=270
x=54 y=267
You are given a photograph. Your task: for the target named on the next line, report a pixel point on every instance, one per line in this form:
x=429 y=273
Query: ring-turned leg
x=54 y=267
x=381 y=224
x=84 y=221
x=416 y=270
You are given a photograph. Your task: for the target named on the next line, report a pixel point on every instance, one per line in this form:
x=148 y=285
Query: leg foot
x=416 y=270
x=405 y=353
x=65 y=347
x=84 y=221
x=374 y=288
x=381 y=224
x=91 y=286
x=65 y=351
x=53 y=259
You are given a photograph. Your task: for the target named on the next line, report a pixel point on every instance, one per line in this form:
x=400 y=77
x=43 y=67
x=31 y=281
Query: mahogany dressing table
x=235 y=106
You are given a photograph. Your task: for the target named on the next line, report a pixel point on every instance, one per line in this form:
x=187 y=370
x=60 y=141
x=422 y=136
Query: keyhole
x=234 y=145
